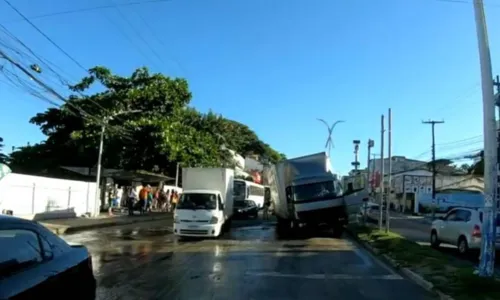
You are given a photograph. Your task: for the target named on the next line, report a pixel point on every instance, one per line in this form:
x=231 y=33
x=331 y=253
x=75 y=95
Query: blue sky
x=278 y=65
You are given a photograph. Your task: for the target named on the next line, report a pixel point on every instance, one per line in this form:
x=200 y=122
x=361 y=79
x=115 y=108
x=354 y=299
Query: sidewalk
x=65 y=226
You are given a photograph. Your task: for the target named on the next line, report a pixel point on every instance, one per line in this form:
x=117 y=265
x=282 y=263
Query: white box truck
x=205 y=207
x=304 y=191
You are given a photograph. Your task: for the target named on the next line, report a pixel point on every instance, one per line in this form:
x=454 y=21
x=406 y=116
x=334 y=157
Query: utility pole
x=104 y=123
x=374 y=156
x=371 y=143
x=177 y=175
x=389 y=156
x=487 y=263
x=496 y=83
x=433 y=124
x=381 y=185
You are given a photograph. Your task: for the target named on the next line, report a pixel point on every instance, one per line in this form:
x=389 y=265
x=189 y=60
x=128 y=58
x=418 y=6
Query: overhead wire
x=148 y=45
x=44 y=35
x=59 y=48
x=96 y=8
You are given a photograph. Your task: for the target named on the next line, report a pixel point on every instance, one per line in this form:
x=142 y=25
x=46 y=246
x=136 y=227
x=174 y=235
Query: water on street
x=145 y=261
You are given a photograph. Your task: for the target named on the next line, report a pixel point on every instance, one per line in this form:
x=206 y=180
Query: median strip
x=430 y=269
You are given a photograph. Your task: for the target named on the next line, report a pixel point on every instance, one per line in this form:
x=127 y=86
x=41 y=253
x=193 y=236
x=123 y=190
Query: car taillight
x=476 y=232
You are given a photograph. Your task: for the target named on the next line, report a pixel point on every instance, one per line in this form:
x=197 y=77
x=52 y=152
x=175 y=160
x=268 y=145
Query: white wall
x=36 y=197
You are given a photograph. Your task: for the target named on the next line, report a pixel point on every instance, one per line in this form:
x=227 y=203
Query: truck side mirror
x=221 y=206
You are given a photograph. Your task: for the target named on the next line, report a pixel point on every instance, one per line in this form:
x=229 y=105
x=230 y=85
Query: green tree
x=478 y=167
x=3 y=157
x=465 y=168
x=161 y=131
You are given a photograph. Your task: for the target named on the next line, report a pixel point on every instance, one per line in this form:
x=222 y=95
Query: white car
x=372 y=210
x=461 y=227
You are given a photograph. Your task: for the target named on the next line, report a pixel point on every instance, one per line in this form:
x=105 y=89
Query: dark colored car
x=35 y=263
x=245 y=209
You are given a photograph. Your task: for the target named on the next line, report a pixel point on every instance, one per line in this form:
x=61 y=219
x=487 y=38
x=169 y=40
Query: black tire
x=283 y=228
x=434 y=239
x=337 y=230
x=462 y=245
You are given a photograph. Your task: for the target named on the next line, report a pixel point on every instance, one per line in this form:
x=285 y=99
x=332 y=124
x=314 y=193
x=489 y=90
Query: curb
x=416 y=278
x=64 y=229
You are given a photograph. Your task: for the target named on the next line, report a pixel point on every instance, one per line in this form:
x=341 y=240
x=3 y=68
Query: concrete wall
x=39 y=198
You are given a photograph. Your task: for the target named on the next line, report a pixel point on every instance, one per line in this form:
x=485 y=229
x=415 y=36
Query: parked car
x=372 y=211
x=35 y=263
x=461 y=227
x=246 y=208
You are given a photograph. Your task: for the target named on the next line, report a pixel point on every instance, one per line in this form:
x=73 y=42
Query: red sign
x=375 y=180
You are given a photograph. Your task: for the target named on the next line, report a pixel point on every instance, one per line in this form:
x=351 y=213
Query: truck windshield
x=314 y=191
x=239 y=190
x=197 y=201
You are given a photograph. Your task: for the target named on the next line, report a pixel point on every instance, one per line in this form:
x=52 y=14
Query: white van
x=205 y=207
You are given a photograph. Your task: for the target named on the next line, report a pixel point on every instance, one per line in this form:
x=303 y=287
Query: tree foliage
x=153 y=128
x=3 y=157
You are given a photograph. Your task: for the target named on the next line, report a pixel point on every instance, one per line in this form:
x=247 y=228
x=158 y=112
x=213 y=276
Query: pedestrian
x=143 y=198
x=132 y=198
x=175 y=199
x=149 y=200
x=265 y=210
x=156 y=198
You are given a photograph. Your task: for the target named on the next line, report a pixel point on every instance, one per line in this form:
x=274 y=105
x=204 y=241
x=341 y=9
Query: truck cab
x=315 y=198
x=199 y=213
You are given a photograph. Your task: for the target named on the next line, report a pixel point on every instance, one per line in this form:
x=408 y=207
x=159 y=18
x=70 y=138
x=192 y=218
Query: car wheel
x=434 y=239
x=462 y=245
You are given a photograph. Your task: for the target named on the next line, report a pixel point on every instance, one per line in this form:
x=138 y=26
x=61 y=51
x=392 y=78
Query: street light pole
x=487 y=258
x=329 y=142
x=105 y=121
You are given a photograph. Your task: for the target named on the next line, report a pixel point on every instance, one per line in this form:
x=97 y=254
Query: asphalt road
x=145 y=261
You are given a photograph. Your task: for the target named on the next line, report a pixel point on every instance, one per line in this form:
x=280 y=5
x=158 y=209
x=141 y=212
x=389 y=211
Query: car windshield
x=239 y=190
x=314 y=191
x=249 y=203
x=239 y=203
x=198 y=201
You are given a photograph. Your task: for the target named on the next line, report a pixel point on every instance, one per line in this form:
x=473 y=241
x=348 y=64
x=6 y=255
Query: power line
x=46 y=36
x=122 y=15
x=95 y=8
x=64 y=81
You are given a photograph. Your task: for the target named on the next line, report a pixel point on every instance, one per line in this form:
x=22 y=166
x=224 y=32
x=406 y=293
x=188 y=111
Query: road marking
x=367 y=262
x=325 y=276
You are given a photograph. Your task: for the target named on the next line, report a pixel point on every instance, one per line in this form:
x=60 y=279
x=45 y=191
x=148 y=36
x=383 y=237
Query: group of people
x=147 y=199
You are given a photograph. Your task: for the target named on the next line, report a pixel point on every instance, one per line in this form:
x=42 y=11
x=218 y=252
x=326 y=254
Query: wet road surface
x=146 y=261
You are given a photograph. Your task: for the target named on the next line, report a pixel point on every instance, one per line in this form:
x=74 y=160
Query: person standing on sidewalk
x=175 y=199
x=143 y=198
x=132 y=198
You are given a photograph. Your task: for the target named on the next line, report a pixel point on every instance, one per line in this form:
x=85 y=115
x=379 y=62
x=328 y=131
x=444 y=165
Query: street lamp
x=329 y=142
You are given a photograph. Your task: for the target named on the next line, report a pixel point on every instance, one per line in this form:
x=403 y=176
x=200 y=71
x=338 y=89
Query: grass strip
x=448 y=274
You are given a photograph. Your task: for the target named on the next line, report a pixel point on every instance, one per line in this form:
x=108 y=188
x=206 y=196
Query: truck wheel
x=281 y=228
x=337 y=229
x=228 y=225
